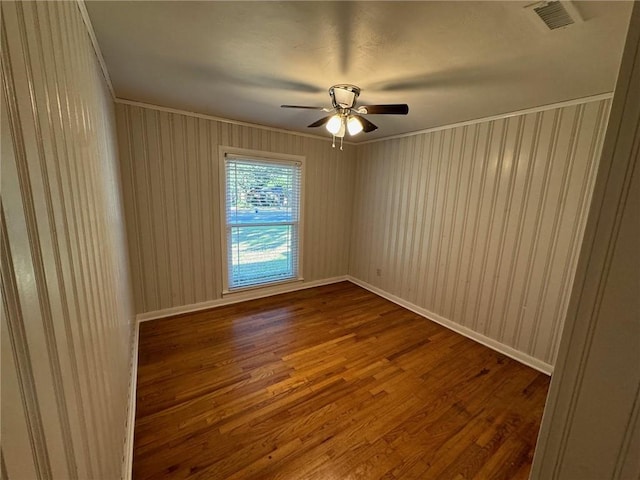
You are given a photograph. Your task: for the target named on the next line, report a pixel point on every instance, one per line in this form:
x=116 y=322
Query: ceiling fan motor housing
x=344 y=95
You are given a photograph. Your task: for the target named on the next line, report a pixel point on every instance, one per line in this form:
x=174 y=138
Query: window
x=261 y=215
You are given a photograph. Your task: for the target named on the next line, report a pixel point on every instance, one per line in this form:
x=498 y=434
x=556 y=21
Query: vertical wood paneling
x=170 y=181
x=67 y=313
x=596 y=384
x=487 y=237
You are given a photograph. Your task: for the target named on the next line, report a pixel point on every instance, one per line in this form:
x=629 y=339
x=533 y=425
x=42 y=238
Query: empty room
x=320 y=240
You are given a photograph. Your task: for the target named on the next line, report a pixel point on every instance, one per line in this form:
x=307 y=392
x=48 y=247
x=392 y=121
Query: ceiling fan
x=346 y=117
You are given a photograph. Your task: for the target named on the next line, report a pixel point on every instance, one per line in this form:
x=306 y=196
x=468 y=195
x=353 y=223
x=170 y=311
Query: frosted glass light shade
x=354 y=126
x=334 y=124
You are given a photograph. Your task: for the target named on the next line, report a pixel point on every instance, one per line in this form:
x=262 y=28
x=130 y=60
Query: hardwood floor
x=328 y=383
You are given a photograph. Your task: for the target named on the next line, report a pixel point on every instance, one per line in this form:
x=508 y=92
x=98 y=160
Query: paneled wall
x=481 y=224
x=591 y=423
x=67 y=313
x=170 y=165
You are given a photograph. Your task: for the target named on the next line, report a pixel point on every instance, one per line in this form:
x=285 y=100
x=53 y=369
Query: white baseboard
x=127 y=461
x=237 y=297
x=291 y=287
x=462 y=330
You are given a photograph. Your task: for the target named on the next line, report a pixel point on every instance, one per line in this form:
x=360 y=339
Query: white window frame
x=263 y=156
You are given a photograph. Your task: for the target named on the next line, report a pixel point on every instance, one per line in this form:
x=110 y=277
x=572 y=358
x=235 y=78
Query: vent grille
x=554 y=15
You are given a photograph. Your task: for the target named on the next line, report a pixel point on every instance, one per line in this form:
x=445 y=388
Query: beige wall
x=67 y=314
x=480 y=224
x=591 y=426
x=170 y=165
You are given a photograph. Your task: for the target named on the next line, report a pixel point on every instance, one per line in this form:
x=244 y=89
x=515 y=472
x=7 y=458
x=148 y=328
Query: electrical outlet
x=378 y=272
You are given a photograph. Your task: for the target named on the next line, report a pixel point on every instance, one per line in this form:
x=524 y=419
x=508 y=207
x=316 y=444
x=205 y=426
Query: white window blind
x=262 y=215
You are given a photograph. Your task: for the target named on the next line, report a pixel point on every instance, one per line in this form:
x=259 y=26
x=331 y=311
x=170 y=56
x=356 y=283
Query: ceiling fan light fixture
x=335 y=124
x=347 y=118
x=354 y=125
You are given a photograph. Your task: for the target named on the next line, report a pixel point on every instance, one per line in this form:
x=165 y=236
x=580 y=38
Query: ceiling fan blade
x=303 y=106
x=391 y=109
x=319 y=123
x=367 y=126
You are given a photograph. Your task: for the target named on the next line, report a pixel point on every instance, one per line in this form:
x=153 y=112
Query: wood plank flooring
x=328 y=383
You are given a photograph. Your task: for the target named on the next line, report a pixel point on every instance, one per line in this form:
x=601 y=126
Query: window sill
x=264 y=289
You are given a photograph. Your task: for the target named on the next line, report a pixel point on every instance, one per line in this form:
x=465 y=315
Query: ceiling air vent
x=554 y=15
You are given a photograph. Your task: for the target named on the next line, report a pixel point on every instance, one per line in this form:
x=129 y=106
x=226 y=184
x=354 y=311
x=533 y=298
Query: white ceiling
x=450 y=61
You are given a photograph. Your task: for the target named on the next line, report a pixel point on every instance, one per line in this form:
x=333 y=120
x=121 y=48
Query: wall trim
x=268 y=292
x=204 y=116
x=462 y=330
x=541 y=108
x=237 y=298
x=96 y=47
x=127 y=458
x=515 y=113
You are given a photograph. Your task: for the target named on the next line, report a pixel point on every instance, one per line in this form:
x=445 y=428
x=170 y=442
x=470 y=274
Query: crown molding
x=541 y=108
x=550 y=106
x=220 y=119
x=96 y=47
